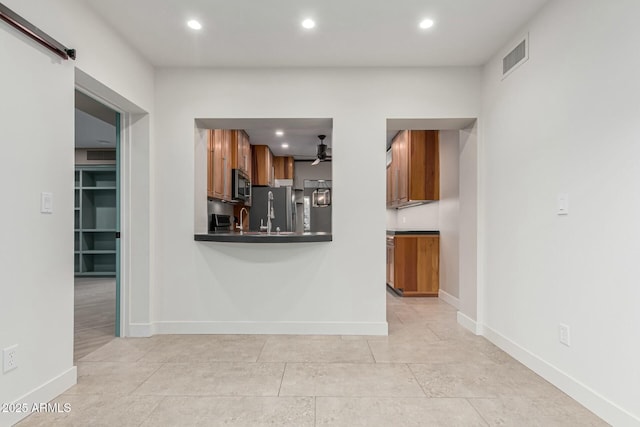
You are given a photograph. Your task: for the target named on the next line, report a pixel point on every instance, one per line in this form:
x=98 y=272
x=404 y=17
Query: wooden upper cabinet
x=262 y=160
x=415 y=168
x=283 y=167
x=402 y=175
x=241 y=151
x=246 y=147
x=424 y=165
x=219 y=164
x=227 y=149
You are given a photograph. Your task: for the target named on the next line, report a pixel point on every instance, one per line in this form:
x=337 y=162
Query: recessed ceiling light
x=279 y=133
x=308 y=23
x=285 y=145
x=426 y=23
x=195 y=25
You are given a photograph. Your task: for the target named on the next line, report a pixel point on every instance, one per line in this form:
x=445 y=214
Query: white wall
x=448 y=206
x=36 y=256
x=36 y=308
x=335 y=287
x=567 y=122
x=304 y=170
x=468 y=218
x=422 y=217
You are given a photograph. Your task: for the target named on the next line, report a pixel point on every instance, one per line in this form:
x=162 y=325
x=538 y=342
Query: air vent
x=516 y=57
x=101 y=154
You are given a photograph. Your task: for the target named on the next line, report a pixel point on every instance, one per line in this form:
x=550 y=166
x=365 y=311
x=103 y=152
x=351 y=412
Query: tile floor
x=428 y=372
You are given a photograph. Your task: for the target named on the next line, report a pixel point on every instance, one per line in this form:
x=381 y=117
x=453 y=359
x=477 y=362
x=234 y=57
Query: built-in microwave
x=241 y=186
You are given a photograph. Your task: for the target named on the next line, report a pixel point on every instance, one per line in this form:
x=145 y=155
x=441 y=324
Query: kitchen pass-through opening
x=270 y=176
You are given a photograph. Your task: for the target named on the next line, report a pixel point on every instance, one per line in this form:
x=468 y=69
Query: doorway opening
x=96 y=225
x=432 y=213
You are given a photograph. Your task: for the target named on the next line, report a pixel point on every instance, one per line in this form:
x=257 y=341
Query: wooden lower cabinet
x=413 y=264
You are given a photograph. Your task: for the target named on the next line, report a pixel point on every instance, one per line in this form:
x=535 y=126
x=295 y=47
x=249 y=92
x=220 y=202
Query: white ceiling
x=91 y=132
x=267 y=33
x=396 y=125
x=95 y=123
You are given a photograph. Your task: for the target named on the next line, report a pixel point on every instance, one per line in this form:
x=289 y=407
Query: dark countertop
x=413 y=232
x=255 y=237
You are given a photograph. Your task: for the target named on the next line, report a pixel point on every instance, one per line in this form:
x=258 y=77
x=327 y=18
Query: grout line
x=282 y=378
x=293 y=397
x=160 y=366
x=262 y=349
x=416 y=378
x=439 y=338
x=158 y=405
x=371 y=351
x=477 y=412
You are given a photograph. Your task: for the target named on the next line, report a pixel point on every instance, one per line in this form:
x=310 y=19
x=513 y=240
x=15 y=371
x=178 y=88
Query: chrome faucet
x=241 y=227
x=270 y=214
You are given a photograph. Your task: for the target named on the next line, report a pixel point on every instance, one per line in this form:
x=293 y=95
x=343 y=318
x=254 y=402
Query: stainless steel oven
x=241 y=186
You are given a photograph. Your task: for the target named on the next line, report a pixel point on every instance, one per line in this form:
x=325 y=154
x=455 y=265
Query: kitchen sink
x=262 y=233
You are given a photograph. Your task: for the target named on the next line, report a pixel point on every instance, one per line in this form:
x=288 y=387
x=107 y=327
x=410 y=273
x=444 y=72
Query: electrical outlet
x=10 y=358
x=564 y=334
x=404 y=219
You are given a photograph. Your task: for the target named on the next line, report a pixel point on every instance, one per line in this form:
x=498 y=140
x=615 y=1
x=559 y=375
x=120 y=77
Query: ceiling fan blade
x=315 y=162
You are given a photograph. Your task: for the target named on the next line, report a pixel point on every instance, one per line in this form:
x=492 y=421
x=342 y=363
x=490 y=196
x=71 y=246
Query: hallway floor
x=429 y=371
x=94 y=314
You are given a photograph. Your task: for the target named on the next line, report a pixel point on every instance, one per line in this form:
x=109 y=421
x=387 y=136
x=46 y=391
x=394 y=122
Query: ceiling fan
x=322 y=151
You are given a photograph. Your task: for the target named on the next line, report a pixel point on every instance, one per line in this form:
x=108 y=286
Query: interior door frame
x=133 y=124
x=120 y=300
x=118 y=325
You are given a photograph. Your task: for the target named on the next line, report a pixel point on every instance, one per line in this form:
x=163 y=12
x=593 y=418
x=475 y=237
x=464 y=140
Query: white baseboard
x=277 y=328
x=140 y=330
x=42 y=394
x=468 y=323
x=598 y=404
x=449 y=299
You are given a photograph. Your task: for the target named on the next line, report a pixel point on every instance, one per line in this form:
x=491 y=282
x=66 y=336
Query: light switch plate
x=564 y=334
x=563 y=204
x=46 y=203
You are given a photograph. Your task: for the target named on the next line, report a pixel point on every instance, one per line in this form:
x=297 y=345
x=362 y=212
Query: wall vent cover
x=101 y=154
x=517 y=56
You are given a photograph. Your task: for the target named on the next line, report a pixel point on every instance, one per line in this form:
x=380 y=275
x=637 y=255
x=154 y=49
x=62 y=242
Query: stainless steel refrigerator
x=284 y=208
